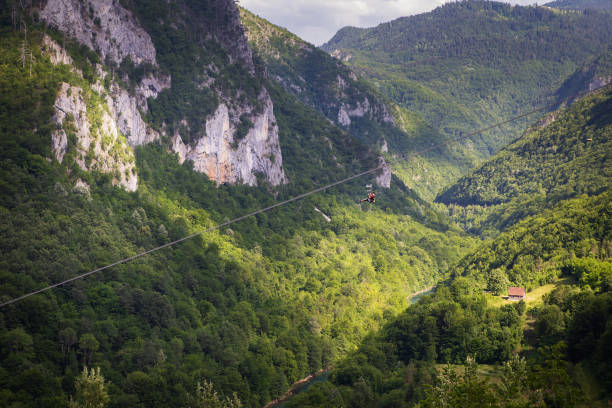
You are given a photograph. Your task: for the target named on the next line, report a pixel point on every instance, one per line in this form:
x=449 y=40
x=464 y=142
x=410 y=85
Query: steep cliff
x=232 y=141
x=104 y=26
x=99 y=144
x=227 y=159
x=117 y=121
x=316 y=79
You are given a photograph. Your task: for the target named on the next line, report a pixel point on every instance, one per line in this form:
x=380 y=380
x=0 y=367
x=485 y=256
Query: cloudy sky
x=318 y=20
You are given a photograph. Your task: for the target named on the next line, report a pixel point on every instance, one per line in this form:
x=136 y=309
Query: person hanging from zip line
x=371 y=198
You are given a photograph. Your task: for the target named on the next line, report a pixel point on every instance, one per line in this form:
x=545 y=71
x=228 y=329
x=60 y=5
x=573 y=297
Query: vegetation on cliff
x=251 y=308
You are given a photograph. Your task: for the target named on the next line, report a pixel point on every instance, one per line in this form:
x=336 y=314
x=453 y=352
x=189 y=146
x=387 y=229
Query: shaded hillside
x=592 y=75
x=250 y=308
x=555 y=355
x=553 y=161
x=328 y=86
x=469 y=64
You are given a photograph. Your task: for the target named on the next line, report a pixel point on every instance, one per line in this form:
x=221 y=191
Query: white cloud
x=318 y=20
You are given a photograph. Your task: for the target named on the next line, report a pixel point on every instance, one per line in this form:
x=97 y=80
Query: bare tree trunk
x=22 y=57
x=14 y=15
x=24 y=44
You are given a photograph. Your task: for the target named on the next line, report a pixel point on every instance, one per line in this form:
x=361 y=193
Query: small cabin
x=515 y=293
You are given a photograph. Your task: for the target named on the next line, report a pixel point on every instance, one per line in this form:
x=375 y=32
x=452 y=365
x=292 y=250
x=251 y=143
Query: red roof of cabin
x=514 y=291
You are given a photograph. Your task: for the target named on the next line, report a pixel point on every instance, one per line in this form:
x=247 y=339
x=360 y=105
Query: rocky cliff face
x=104 y=26
x=228 y=30
x=383 y=177
x=126 y=113
x=99 y=146
x=360 y=108
x=120 y=116
x=115 y=34
x=225 y=159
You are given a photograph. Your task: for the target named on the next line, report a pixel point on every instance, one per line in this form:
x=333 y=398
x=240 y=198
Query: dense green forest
x=249 y=309
x=234 y=316
x=468 y=64
x=562 y=343
x=551 y=162
x=464 y=345
x=580 y=4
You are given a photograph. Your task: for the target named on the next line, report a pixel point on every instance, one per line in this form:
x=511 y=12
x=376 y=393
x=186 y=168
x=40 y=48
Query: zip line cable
x=131 y=258
x=290 y=200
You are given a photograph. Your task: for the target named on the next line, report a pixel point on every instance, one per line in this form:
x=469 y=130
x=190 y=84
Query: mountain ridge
x=250 y=308
x=460 y=79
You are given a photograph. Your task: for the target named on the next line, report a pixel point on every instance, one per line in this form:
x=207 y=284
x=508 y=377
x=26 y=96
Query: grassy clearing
x=532 y=298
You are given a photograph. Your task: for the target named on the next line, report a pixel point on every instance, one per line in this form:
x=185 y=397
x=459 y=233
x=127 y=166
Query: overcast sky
x=317 y=21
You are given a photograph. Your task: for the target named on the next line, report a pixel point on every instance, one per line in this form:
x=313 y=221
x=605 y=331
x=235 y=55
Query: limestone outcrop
x=377 y=111
x=124 y=107
x=98 y=147
x=383 y=177
x=125 y=112
x=104 y=26
x=227 y=160
x=114 y=33
x=57 y=53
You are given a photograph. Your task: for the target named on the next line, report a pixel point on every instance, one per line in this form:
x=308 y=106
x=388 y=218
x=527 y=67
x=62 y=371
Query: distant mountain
x=466 y=320
x=469 y=64
x=551 y=158
x=592 y=75
x=581 y=4
x=330 y=87
x=128 y=125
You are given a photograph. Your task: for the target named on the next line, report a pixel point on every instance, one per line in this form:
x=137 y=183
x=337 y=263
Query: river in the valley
x=321 y=376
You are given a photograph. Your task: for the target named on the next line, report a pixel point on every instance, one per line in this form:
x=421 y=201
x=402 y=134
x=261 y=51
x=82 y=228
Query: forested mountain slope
x=548 y=352
x=318 y=80
x=330 y=87
x=553 y=356
x=469 y=64
x=567 y=155
x=581 y=4
x=251 y=308
x=532 y=252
